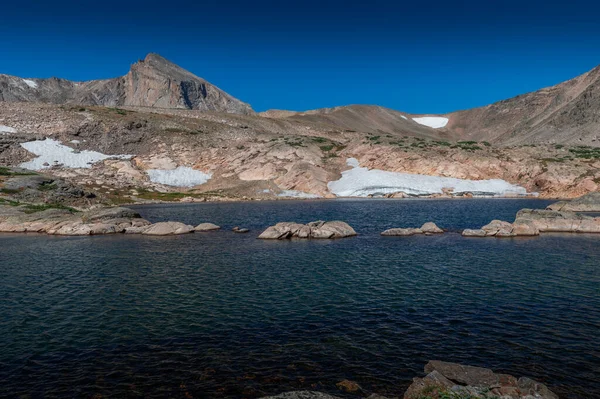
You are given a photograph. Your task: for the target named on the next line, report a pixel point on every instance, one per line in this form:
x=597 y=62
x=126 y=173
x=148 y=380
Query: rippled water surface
x=226 y=315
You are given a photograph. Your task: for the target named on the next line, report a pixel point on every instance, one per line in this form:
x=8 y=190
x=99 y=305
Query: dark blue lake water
x=226 y=315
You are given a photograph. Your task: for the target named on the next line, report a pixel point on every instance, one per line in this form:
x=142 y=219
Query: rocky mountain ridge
x=151 y=82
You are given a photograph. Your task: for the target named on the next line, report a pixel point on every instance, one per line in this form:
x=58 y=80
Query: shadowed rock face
x=152 y=82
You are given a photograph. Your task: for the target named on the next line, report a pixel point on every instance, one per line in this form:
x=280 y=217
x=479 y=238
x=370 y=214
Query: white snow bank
x=7 y=129
x=435 y=122
x=179 y=177
x=30 y=83
x=52 y=152
x=297 y=194
x=403 y=117
x=75 y=141
x=362 y=182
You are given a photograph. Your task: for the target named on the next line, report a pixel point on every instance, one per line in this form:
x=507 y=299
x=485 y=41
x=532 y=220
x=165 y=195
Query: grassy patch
x=326 y=148
x=119 y=111
x=585 y=152
x=319 y=140
x=4 y=201
x=8 y=172
x=32 y=208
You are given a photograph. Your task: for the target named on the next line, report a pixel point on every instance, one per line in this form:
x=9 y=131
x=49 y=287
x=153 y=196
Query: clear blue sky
x=418 y=57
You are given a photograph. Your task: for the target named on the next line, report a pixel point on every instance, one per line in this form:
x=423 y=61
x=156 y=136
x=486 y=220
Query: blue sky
x=418 y=57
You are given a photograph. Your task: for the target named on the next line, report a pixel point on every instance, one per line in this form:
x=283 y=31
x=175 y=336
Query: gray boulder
x=474 y=233
x=168 y=228
x=319 y=230
x=207 y=227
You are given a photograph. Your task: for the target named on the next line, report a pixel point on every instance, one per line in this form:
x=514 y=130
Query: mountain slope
x=568 y=113
x=152 y=82
x=363 y=118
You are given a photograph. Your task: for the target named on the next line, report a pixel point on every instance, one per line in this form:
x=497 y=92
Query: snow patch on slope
x=403 y=117
x=179 y=177
x=30 y=83
x=434 y=122
x=52 y=152
x=7 y=129
x=362 y=182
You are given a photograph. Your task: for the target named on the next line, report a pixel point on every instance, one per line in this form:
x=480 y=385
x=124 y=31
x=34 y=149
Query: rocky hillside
x=144 y=153
x=568 y=113
x=152 y=82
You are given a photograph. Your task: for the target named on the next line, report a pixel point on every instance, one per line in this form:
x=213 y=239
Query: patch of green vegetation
x=466 y=142
x=319 y=139
x=33 y=208
x=119 y=111
x=8 y=191
x=47 y=187
x=373 y=138
x=326 y=148
x=485 y=143
x=240 y=147
x=585 y=152
x=5 y=201
x=8 y=172
x=442 y=143
x=559 y=146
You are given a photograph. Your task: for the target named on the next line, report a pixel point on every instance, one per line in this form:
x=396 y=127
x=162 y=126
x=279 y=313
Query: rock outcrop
x=586 y=203
x=500 y=228
x=153 y=82
x=301 y=395
x=319 y=229
x=554 y=221
x=445 y=378
x=23 y=219
x=427 y=228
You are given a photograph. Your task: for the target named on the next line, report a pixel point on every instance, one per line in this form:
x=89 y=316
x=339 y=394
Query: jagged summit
x=152 y=82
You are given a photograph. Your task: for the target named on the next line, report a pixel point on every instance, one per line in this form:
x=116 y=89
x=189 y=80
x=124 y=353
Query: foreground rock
x=301 y=395
x=427 y=228
x=319 y=229
x=207 y=227
x=445 y=378
x=586 y=203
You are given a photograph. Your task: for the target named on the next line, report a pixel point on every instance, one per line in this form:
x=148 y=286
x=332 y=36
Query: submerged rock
x=444 y=378
x=207 y=227
x=237 y=229
x=348 y=386
x=427 y=228
x=318 y=229
x=400 y=232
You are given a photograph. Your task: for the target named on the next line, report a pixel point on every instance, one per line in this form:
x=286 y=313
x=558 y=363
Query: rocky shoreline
x=444 y=380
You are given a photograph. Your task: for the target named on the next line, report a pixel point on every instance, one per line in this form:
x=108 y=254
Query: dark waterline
x=225 y=315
